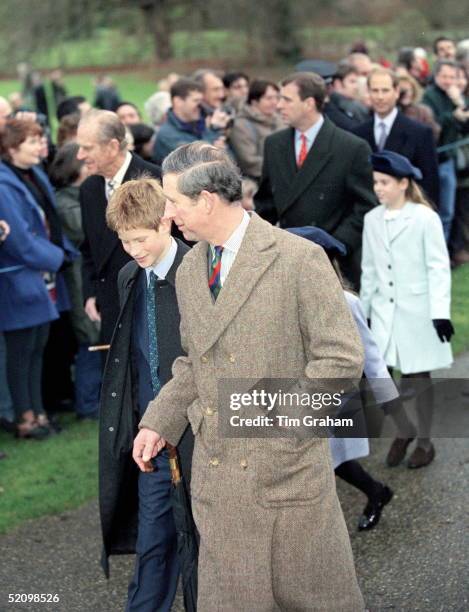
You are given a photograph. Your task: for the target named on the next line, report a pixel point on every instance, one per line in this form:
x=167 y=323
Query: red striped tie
x=214 y=277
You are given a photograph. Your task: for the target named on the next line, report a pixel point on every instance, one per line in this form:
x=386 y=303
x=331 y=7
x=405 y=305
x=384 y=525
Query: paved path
x=416 y=560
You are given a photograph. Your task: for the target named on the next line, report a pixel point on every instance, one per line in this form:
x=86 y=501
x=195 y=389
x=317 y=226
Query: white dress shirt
x=231 y=247
x=117 y=179
x=311 y=135
x=388 y=122
x=161 y=268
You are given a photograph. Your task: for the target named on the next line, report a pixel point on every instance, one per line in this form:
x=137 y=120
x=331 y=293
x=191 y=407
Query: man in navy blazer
x=391 y=130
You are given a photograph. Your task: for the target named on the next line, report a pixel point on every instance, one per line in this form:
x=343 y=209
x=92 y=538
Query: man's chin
x=188 y=235
x=143 y=263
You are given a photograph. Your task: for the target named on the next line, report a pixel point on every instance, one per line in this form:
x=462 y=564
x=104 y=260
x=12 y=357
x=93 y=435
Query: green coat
x=68 y=207
x=443 y=108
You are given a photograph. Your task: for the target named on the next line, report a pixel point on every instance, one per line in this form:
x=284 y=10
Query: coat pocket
x=291 y=472
x=417 y=288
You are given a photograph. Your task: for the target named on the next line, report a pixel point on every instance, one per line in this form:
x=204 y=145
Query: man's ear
x=165 y=225
x=114 y=146
x=311 y=102
x=209 y=199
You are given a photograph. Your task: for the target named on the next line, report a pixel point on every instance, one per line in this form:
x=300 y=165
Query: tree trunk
x=284 y=37
x=156 y=15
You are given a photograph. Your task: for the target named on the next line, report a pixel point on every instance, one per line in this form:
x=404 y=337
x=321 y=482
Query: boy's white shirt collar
x=162 y=268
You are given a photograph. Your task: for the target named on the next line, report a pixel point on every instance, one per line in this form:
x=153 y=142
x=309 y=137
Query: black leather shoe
x=372 y=512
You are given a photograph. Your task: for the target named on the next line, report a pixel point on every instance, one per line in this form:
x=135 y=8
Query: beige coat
x=272 y=532
x=247 y=137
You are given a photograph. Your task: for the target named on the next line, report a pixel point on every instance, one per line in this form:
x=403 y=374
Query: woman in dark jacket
x=31 y=293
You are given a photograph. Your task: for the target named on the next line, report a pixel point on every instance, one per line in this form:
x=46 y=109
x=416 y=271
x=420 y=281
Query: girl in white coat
x=405 y=291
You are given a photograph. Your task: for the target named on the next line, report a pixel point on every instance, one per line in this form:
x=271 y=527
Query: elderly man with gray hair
x=102 y=144
x=256 y=303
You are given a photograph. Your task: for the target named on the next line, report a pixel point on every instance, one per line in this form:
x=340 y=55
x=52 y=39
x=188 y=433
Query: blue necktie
x=152 y=334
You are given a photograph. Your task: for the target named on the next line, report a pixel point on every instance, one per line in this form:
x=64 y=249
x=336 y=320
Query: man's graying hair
x=203 y=167
x=109 y=126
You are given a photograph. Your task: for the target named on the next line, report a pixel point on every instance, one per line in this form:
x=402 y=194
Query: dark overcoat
x=103 y=255
x=332 y=190
x=415 y=141
x=119 y=415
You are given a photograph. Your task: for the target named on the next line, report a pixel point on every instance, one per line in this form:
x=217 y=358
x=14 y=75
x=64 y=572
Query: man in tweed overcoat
x=272 y=533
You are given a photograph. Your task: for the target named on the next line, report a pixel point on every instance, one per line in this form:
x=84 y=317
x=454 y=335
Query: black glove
x=444 y=329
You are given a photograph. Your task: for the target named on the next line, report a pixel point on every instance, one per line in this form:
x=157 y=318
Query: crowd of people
x=369 y=160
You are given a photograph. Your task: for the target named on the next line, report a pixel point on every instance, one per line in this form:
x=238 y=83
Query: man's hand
x=147 y=445
x=91 y=310
x=220 y=119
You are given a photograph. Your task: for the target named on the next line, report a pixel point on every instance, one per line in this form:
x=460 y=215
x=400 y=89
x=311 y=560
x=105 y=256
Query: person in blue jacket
x=31 y=291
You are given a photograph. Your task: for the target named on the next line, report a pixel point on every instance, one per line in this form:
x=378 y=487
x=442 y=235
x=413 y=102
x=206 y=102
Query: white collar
x=234 y=241
x=312 y=132
x=119 y=175
x=162 y=267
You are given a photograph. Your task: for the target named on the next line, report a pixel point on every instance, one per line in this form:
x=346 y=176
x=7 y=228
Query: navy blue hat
x=325 y=69
x=332 y=246
x=394 y=164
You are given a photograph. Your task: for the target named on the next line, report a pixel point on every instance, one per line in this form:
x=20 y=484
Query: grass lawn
x=50 y=476
x=460 y=309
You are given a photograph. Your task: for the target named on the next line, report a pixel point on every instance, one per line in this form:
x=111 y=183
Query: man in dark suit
x=315 y=173
x=136 y=511
x=390 y=129
x=103 y=148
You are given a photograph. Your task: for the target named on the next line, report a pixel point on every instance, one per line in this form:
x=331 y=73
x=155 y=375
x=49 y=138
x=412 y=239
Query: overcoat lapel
x=318 y=157
x=255 y=256
x=370 y=135
x=397 y=136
